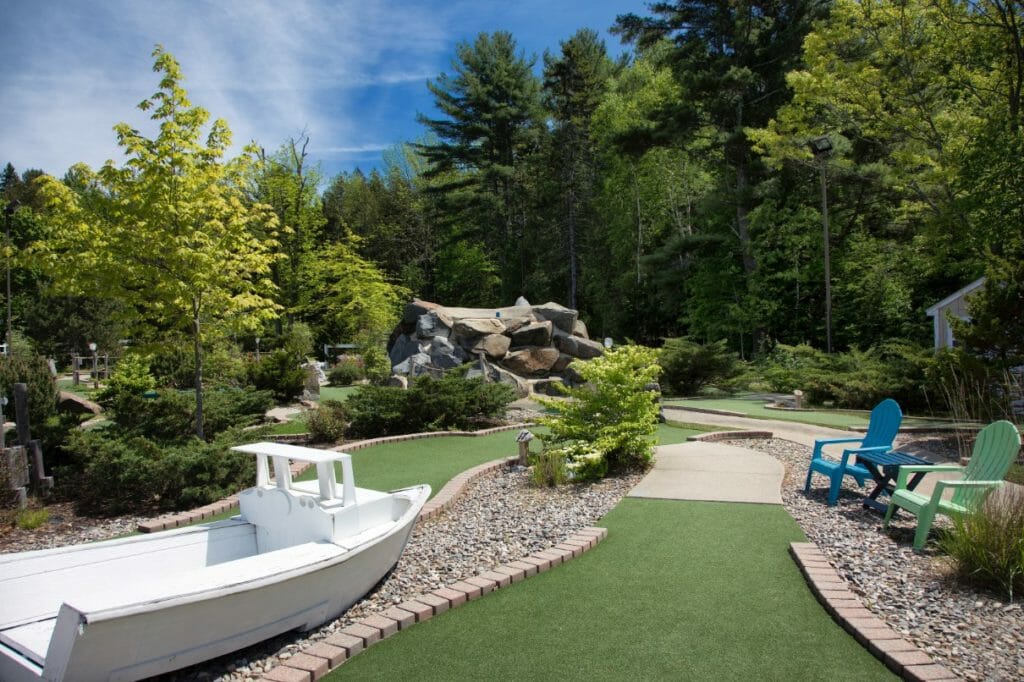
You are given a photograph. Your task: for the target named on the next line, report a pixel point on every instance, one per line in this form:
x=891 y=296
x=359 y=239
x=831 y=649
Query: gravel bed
x=499 y=518
x=973 y=633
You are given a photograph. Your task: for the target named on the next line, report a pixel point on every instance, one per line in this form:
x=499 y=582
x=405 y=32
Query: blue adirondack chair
x=994 y=450
x=885 y=422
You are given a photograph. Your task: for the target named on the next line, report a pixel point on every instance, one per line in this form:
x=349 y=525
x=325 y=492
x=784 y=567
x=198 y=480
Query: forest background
x=667 y=193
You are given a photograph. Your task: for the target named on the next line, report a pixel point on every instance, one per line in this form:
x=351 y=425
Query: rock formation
x=522 y=345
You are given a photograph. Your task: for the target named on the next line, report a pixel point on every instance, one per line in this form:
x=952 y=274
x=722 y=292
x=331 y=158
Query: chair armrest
x=907 y=469
x=820 y=443
x=874 y=448
x=940 y=486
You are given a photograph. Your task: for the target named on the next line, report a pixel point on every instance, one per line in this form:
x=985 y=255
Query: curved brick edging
x=887 y=645
x=729 y=435
x=317 y=660
x=231 y=502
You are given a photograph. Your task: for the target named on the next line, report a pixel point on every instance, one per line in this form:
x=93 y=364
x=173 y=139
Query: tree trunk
x=198 y=348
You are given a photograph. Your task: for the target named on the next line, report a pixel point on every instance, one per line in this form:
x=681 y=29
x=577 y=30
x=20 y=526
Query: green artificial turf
x=678 y=591
x=293 y=426
x=336 y=392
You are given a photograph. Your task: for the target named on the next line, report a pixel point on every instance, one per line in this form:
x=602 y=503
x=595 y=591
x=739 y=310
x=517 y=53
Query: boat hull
x=300 y=588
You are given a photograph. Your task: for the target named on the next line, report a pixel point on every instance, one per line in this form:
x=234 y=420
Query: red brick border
x=317 y=659
x=898 y=654
x=442 y=500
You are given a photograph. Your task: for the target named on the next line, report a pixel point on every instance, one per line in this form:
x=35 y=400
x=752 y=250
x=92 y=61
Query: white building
x=954 y=305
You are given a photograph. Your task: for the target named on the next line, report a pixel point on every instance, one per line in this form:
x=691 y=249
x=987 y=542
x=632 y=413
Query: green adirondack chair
x=994 y=451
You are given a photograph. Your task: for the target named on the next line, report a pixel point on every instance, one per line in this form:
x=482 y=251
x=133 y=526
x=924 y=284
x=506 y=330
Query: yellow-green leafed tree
x=169 y=232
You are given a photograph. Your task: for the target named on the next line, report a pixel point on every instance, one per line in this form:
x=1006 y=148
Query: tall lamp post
x=821 y=147
x=9 y=210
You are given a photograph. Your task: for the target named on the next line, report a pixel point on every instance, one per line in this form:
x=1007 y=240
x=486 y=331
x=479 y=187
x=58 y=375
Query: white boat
x=297 y=556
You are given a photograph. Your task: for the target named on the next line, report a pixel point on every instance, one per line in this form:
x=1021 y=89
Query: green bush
x=347 y=372
x=988 y=546
x=32 y=371
x=108 y=472
x=171 y=415
x=688 y=366
x=30 y=519
x=378 y=411
x=129 y=381
x=612 y=413
x=173 y=365
x=281 y=373
x=376 y=364
x=451 y=402
x=327 y=423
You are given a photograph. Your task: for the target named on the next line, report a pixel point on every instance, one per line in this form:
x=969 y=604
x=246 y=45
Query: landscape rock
x=430 y=325
x=580 y=329
x=478 y=326
x=562 y=317
x=404 y=347
x=444 y=354
x=415 y=309
x=561 y=363
x=70 y=403
x=535 y=334
x=522 y=302
x=414 y=365
x=495 y=346
x=398 y=381
x=531 y=361
x=578 y=347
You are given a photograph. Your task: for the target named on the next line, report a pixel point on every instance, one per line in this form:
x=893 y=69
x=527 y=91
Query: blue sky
x=351 y=74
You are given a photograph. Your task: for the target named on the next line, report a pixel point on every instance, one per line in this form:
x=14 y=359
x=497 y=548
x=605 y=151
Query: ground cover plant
x=692 y=590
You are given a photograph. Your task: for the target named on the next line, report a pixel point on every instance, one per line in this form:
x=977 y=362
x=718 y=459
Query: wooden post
x=21 y=413
x=76 y=366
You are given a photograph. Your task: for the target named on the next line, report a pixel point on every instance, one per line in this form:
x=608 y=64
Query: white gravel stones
x=974 y=634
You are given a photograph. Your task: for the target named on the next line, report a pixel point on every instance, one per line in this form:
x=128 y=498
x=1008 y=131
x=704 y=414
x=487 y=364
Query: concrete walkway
x=712 y=472
x=733 y=479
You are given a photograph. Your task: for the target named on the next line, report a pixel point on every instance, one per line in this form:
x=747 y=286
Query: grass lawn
x=755 y=408
x=678 y=591
x=296 y=425
x=336 y=392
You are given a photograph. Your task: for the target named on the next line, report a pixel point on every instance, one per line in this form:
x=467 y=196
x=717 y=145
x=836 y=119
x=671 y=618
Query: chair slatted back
x=884 y=424
x=995 y=449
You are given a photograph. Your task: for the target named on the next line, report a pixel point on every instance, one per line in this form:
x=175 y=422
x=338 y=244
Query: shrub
x=173 y=365
x=327 y=423
x=689 y=366
x=451 y=402
x=988 y=546
x=376 y=364
x=108 y=472
x=612 y=413
x=171 y=415
x=548 y=468
x=130 y=381
x=279 y=372
x=33 y=371
x=347 y=372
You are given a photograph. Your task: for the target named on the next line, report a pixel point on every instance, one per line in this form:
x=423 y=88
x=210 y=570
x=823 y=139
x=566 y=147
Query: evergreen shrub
x=32 y=371
x=281 y=373
x=171 y=415
x=689 y=366
x=347 y=372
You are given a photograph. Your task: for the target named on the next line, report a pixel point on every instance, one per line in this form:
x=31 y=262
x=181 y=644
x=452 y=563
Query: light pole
x=9 y=210
x=821 y=147
x=95 y=367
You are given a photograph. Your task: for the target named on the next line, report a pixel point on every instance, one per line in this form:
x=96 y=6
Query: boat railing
x=280 y=453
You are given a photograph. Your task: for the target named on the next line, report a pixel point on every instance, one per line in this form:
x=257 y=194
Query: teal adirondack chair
x=882 y=429
x=994 y=451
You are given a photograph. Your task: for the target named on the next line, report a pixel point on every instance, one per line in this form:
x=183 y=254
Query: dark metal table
x=884 y=467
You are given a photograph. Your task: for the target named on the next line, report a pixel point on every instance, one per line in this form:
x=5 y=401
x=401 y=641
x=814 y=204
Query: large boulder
x=495 y=346
x=405 y=346
x=531 y=361
x=580 y=330
x=414 y=365
x=562 y=317
x=535 y=334
x=578 y=347
x=415 y=309
x=493 y=373
x=478 y=326
x=444 y=354
x=70 y=403
x=433 y=324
